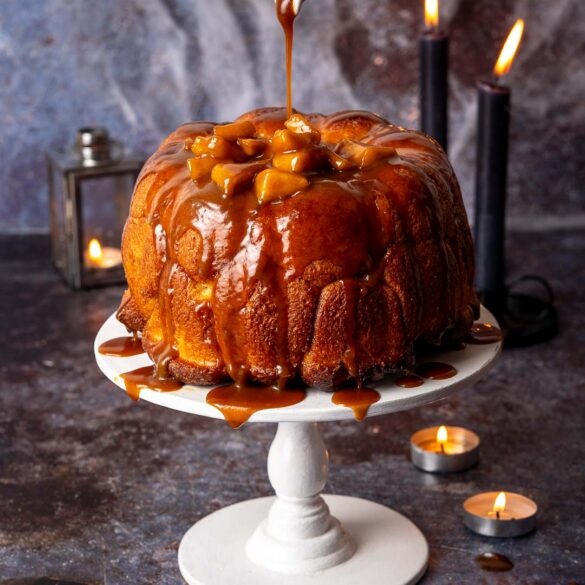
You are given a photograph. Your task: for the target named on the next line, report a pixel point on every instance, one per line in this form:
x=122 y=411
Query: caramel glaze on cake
x=318 y=249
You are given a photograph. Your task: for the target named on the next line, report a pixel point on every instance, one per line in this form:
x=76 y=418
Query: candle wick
x=497 y=514
x=442 y=447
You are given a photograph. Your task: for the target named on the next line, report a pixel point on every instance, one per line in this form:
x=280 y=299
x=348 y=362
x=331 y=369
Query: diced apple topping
x=299 y=161
x=272 y=184
x=200 y=166
x=340 y=163
x=217 y=147
x=364 y=155
x=253 y=146
x=237 y=156
x=300 y=125
x=233 y=177
x=235 y=130
x=286 y=141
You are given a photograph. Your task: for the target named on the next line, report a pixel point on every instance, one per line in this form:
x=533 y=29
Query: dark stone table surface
x=97 y=489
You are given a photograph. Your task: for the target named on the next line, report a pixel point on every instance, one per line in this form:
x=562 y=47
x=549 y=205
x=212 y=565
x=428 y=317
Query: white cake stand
x=300 y=537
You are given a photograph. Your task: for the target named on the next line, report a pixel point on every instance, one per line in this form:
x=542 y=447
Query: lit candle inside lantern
x=434 y=64
x=500 y=514
x=98 y=256
x=491 y=177
x=444 y=449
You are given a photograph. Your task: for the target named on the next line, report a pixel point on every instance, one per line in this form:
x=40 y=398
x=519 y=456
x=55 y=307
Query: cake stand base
x=390 y=549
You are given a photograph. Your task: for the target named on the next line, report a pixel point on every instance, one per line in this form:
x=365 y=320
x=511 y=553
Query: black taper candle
x=490 y=193
x=434 y=93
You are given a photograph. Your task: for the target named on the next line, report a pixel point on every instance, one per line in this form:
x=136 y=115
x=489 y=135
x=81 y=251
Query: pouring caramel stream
x=286 y=16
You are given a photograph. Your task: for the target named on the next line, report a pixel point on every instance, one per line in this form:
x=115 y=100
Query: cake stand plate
x=300 y=537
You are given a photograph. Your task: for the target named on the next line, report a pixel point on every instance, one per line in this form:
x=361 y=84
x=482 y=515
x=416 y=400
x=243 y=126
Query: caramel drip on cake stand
x=358 y=399
x=147 y=377
x=122 y=346
x=483 y=334
x=409 y=381
x=238 y=402
x=436 y=371
x=286 y=16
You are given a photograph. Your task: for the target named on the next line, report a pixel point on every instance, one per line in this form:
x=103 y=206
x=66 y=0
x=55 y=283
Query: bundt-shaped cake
x=318 y=248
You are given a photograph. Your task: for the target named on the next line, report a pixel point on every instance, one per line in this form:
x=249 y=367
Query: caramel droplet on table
x=436 y=371
x=146 y=378
x=494 y=562
x=484 y=333
x=238 y=402
x=122 y=347
x=409 y=381
x=358 y=399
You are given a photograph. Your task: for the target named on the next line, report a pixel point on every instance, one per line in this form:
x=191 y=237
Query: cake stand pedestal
x=301 y=537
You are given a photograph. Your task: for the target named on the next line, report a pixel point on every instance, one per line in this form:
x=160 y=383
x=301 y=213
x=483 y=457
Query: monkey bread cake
x=314 y=249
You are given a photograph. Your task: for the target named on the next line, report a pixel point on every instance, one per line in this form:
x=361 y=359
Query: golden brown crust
x=408 y=234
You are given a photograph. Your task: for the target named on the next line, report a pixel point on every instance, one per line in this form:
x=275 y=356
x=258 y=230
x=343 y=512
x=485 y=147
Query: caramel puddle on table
x=238 y=402
x=146 y=378
x=409 y=381
x=122 y=347
x=436 y=371
x=483 y=334
x=494 y=562
x=358 y=399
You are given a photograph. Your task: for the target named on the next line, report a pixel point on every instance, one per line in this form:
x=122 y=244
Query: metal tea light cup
x=444 y=462
x=520 y=515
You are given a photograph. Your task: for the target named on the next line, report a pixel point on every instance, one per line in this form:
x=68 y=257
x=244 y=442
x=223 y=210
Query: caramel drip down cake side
x=318 y=248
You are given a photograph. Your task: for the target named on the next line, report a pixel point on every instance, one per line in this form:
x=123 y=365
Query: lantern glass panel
x=58 y=219
x=103 y=207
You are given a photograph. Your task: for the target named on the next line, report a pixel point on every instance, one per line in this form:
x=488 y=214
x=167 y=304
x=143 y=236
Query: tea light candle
x=102 y=257
x=501 y=514
x=444 y=449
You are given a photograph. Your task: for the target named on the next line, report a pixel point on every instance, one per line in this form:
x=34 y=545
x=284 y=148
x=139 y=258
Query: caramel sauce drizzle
x=122 y=346
x=436 y=371
x=483 y=334
x=286 y=16
x=409 y=381
x=250 y=238
x=238 y=402
x=494 y=562
x=358 y=399
x=147 y=377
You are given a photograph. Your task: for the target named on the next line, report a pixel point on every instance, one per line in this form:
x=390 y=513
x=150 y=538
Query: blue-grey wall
x=142 y=67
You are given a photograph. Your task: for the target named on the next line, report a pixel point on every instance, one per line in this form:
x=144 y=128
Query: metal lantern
x=90 y=187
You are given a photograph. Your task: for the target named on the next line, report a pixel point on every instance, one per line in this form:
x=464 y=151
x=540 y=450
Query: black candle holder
x=527 y=319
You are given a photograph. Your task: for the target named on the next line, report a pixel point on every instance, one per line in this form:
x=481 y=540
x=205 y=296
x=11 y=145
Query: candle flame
x=508 y=52
x=442 y=435
x=431 y=13
x=94 y=250
x=500 y=502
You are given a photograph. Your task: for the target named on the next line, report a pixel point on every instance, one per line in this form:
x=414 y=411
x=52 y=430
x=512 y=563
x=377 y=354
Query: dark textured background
x=142 y=67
